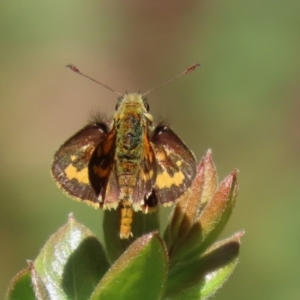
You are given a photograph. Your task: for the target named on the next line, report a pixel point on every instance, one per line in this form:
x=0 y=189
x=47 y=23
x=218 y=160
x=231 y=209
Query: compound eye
x=146 y=106
x=118 y=103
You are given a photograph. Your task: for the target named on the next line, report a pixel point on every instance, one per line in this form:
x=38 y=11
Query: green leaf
x=139 y=273
x=191 y=204
x=40 y=290
x=142 y=224
x=201 y=278
x=210 y=181
x=210 y=223
x=72 y=262
x=184 y=211
x=20 y=287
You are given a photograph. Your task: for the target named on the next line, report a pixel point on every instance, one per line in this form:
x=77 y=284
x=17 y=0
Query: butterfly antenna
x=188 y=70
x=76 y=70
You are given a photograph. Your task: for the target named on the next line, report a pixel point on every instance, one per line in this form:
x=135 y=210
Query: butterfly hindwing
x=176 y=165
x=146 y=176
x=102 y=174
x=70 y=164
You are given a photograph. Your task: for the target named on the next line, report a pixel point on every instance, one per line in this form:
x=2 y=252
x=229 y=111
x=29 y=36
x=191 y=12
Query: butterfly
x=131 y=163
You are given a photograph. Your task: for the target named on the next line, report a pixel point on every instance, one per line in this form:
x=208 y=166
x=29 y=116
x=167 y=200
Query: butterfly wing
x=70 y=164
x=102 y=174
x=145 y=178
x=176 y=165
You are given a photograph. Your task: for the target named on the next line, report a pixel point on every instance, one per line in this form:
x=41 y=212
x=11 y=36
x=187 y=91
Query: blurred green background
x=243 y=103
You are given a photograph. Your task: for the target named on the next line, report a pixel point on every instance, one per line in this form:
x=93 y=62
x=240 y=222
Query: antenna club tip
x=192 y=68
x=73 y=68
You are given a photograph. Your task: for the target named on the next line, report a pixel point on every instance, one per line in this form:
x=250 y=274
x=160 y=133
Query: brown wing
x=101 y=174
x=70 y=164
x=146 y=177
x=176 y=165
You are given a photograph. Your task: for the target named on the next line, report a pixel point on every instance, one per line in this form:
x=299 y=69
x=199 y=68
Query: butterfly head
x=132 y=104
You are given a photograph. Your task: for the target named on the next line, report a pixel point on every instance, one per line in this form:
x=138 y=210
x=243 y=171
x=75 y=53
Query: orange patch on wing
x=148 y=152
x=165 y=180
x=161 y=156
x=101 y=172
x=81 y=176
x=109 y=142
x=146 y=176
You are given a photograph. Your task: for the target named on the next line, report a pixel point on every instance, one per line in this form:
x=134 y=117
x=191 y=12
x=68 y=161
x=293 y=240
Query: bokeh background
x=243 y=103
